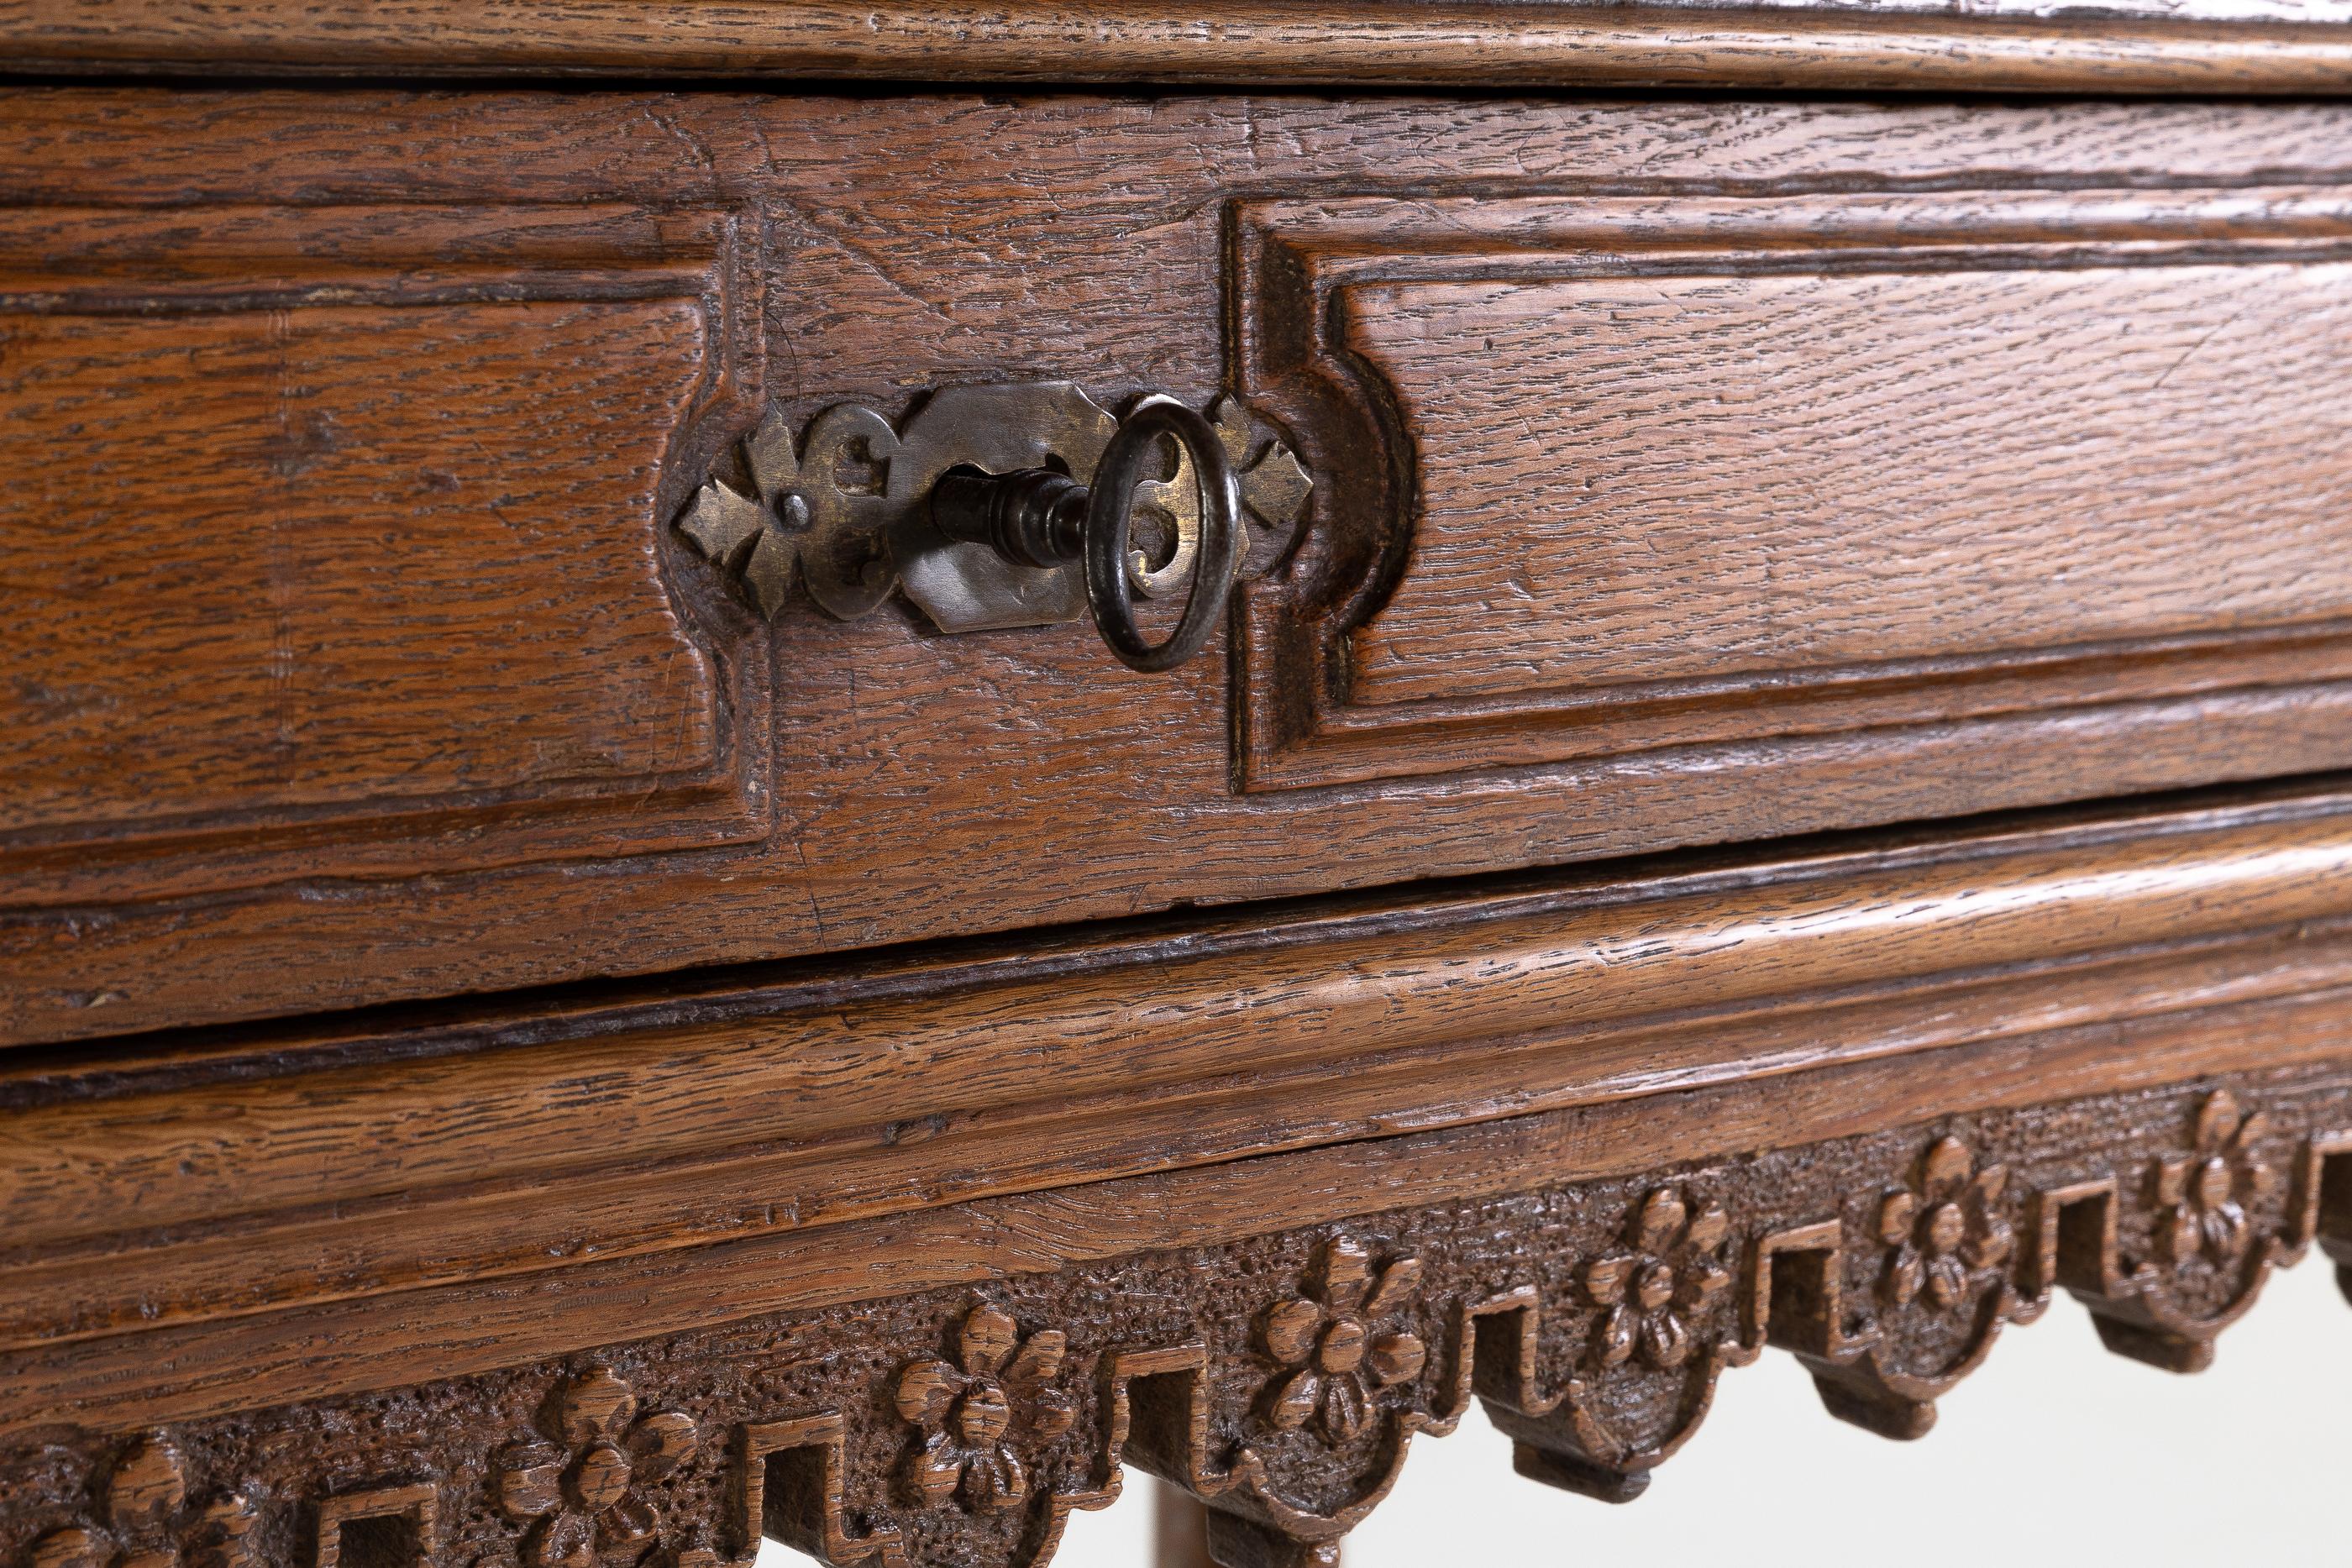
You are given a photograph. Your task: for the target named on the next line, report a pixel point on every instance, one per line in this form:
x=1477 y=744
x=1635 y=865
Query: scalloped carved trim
x=1281 y=1378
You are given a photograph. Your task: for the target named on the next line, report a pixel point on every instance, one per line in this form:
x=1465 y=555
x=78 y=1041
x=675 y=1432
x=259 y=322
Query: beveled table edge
x=1226 y=42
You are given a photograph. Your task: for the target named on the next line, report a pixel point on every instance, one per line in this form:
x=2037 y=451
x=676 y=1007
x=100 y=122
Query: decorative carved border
x=1279 y=1378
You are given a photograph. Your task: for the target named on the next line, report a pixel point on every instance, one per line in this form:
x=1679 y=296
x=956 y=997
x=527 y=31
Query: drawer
x=1680 y=473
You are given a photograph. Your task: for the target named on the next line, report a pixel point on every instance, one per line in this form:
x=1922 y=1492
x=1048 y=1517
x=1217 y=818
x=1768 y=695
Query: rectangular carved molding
x=1693 y=477
x=1279 y=1375
x=354 y=564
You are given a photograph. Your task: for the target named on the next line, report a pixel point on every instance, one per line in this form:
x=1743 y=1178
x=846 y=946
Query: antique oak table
x=821 y=770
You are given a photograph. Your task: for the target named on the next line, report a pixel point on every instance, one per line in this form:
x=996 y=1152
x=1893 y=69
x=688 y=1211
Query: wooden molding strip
x=183 y=1184
x=1270 y=43
x=191 y=1371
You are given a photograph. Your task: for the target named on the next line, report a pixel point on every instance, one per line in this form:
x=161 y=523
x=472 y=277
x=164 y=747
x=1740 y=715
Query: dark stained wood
x=2197 y=47
x=319 y=1347
x=1750 y=470
x=349 y=595
x=266 y=644
x=398 y=776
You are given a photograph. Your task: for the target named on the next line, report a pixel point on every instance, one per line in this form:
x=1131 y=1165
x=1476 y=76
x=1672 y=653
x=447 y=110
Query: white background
x=2053 y=1452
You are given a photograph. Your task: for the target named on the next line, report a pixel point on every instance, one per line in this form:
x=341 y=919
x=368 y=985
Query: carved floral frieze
x=1280 y=1377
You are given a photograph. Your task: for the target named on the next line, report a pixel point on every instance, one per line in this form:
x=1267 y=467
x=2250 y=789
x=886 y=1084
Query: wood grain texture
x=2169 y=46
x=1696 y=471
x=1276 y=1367
x=508 y=1148
x=1779 y=476
x=1687 y=474
x=314 y=548
x=879 y=785
x=271 y=640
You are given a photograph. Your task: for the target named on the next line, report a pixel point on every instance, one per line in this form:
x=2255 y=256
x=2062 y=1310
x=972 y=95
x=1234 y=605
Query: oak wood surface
x=2202 y=47
x=1687 y=475
x=872 y=783
x=274 y=641
x=1531 y=590
x=505 y=1161
x=301 y=587
x=959 y=1426
x=1760 y=475
x=314 y=1349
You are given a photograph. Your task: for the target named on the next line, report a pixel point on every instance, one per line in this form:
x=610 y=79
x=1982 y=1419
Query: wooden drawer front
x=1720 y=471
x=331 y=541
x=1682 y=474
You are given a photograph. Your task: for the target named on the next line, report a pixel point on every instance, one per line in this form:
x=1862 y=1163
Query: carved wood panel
x=1688 y=470
x=336 y=540
x=1280 y=1376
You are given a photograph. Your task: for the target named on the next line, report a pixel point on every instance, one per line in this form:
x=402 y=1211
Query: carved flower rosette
x=987 y=1460
x=2211 y=1212
x=1658 y=1326
x=582 y=1488
x=1341 y=1348
x=1940 y=1276
x=144 y=1515
x=1332 y=1387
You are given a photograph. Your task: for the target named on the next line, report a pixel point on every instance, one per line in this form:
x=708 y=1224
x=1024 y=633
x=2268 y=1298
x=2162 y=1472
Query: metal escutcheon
x=1041 y=519
x=999 y=505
